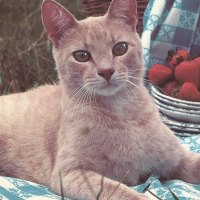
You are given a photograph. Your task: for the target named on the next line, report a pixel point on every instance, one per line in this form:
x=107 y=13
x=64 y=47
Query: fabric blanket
x=169 y=24
x=16 y=189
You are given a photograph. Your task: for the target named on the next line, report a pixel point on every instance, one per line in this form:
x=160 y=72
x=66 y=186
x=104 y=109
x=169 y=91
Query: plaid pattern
x=169 y=24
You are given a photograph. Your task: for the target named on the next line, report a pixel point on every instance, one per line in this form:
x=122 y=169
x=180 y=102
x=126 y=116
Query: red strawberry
x=170 y=87
x=176 y=57
x=197 y=61
x=173 y=59
x=189 y=92
x=159 y=74
x=184 y=54
x=188 y=72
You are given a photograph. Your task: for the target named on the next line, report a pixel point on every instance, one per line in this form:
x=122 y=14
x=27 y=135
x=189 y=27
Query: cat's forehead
x=97 y=34
x=101 y=29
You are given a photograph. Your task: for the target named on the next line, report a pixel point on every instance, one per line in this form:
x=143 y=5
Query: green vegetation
x=25 y=53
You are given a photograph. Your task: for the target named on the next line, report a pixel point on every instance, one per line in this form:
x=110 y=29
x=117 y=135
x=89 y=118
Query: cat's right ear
x=56 y=20
x=125 y=10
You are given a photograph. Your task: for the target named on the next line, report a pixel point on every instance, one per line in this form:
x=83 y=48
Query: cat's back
x=29 y=123
x=32 y=108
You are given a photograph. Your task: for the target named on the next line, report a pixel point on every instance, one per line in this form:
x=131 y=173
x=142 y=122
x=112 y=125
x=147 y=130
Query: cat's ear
x=125 y=10
x=56 y=20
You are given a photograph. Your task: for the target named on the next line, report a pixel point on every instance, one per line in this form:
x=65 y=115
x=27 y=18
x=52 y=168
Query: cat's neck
x=117 y=104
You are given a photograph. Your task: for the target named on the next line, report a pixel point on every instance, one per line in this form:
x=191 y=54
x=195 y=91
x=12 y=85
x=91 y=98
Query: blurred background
x=25 y=53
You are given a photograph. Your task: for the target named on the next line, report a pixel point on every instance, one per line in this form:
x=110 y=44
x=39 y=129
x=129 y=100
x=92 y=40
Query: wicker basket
x=100 y=7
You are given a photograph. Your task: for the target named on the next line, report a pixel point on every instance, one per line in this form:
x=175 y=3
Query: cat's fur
x=92 y=136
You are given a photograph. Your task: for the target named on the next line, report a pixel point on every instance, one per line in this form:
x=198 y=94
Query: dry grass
x=25 y=53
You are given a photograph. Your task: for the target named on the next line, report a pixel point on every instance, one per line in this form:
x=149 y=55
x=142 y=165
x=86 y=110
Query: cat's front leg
x=188 y=168
x=88 y=185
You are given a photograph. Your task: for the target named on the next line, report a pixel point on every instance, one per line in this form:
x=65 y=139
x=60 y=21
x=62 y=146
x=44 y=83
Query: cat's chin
x=108 y=90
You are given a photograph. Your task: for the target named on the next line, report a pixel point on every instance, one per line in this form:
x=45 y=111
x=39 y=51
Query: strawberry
x=159 y=74
x=170 y=87
x=173 y=59
x=184 y=54
x=176 y=57
x=189 y=92
x=188 y=72
x=197 y=61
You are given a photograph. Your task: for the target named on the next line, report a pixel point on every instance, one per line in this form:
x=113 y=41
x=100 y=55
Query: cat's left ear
x=56 y=20
x=125 y=10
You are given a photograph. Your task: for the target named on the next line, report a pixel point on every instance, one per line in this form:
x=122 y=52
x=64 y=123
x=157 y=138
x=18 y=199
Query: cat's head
x=101 y=55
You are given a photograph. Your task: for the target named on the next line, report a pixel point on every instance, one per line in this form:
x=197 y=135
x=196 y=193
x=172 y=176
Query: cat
x=99 y=125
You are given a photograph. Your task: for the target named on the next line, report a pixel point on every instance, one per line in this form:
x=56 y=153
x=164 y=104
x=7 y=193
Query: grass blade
x=147 y=189
x=173 y=194
x=118 y=185
x=61 y=187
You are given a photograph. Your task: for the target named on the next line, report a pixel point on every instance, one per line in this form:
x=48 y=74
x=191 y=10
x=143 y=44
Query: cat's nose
x=106 y=73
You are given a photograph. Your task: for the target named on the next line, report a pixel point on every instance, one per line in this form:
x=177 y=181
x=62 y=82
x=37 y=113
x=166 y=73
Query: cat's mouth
x=108 y=88
x=109 y=85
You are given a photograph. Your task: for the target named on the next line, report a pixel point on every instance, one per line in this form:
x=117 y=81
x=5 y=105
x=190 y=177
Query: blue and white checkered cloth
x=169 y=24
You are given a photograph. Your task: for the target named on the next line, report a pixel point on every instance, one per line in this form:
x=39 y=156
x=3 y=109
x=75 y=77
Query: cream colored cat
x=99 y=123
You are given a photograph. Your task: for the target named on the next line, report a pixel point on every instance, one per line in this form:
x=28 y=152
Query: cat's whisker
x=135 y=78
x=82 y=99
x=136 y=97
x=79 y=90
x=134 y=69
x=138 y=78
x=94 y=96
x=132 y=75
x=78 y=101
x=127 y=92
x=83 y=102
x=129 y=83
x=131 y=92
x=78 y=96
x=133 y=84
x=147 y=81
x=80 y=93
x=88 y=100
x=131 y=95
x=139 y=69
x=83 y=96
x=90 y=92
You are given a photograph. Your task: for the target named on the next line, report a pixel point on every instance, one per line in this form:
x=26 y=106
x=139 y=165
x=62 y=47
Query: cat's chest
x=123 y=143
x=111 y=135
x=114 y=143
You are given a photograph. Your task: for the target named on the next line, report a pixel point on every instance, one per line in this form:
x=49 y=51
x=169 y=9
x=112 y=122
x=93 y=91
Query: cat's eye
x=120 y=49
x=82 y=56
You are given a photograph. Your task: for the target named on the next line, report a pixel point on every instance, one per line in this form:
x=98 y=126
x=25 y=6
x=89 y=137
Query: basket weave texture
x=100 y=7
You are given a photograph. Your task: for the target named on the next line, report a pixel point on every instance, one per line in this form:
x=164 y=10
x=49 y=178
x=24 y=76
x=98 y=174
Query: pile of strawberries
x=180 y=78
